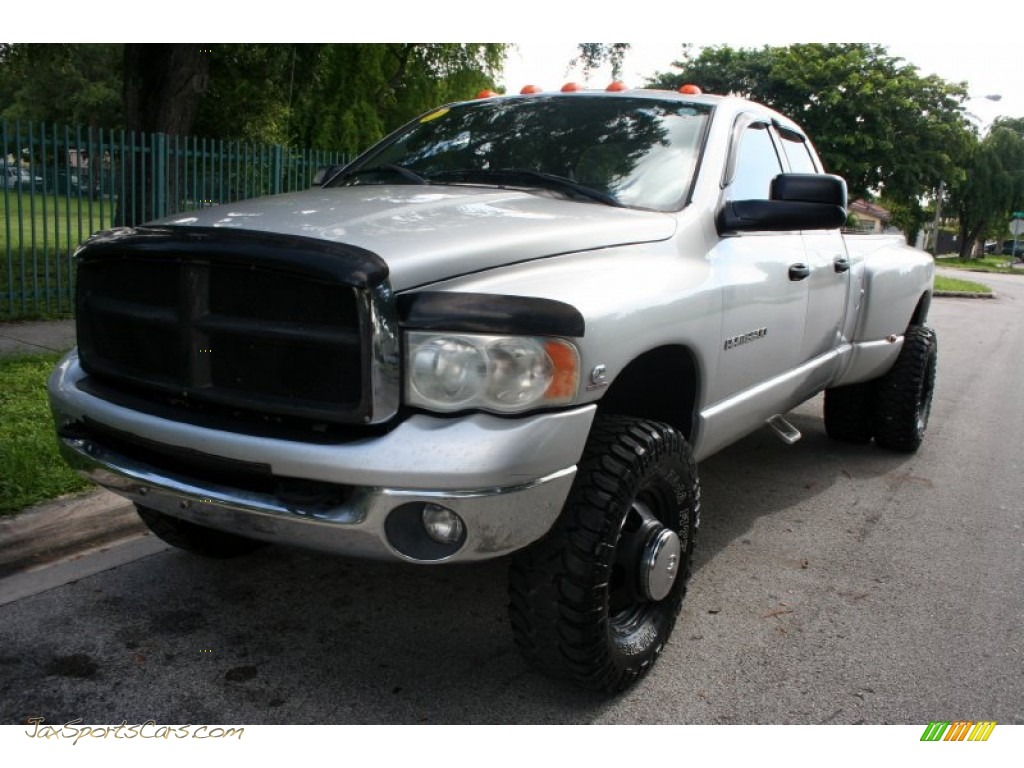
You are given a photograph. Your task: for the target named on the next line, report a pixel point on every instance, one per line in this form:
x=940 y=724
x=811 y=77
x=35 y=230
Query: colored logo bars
x=958 y=730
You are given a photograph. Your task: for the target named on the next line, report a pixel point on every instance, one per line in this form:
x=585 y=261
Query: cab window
x=757 y=163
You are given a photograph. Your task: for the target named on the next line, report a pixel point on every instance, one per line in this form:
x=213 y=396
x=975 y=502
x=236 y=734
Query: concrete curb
x=63 y=527
x=963 y=295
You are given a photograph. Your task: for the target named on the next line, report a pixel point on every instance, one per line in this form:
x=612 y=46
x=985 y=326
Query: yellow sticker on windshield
x=434 y=115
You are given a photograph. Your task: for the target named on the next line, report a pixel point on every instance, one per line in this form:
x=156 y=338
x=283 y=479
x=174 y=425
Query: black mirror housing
x=799 y=201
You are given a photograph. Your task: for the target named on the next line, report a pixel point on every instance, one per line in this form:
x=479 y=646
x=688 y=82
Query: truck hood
x=427 y=234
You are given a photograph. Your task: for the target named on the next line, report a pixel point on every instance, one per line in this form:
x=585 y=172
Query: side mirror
x=798 y=201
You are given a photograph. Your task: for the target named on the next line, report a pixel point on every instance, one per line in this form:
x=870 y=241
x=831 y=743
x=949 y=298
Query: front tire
x=903 y=397
x=196 y=538
x=596 y=599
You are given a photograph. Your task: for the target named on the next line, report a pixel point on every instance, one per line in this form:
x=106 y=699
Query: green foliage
x=337 y=96
x=61 y=83
x=31 y=469
x=908 y=216
x=993 y=184
x=593 y=55
x=248 y=93
x=874 y=119
x=353 y=94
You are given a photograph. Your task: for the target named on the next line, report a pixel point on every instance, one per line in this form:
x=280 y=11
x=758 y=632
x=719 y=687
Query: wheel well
x=660 y=384
x=921 y=310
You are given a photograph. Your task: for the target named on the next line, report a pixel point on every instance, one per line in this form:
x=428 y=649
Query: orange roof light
x=487 y=93
x=532 y=89
x=617 y=85
x=570 y=87
x=691 y=90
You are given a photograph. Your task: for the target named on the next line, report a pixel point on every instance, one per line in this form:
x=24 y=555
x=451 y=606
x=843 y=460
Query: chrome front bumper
x=497 y=520
x=513 y=476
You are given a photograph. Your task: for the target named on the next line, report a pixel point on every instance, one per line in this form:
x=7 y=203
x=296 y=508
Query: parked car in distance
x=16 y=177
x=71 y=181
x=1009 y=250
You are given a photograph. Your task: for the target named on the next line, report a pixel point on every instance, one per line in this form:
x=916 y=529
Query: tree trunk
x=163 y=85
x=968 y=240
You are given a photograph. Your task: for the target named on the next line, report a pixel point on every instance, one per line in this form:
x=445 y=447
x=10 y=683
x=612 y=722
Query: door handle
x=799 y=272
x=841 y=264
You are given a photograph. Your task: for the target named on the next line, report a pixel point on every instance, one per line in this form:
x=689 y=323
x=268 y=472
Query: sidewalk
x=44 y=336
x=67 y=526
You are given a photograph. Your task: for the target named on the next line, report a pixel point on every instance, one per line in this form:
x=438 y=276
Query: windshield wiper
x=401 y=170
x=519 y=175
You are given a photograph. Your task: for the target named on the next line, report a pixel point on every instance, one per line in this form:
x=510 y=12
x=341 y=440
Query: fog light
x=441 y=524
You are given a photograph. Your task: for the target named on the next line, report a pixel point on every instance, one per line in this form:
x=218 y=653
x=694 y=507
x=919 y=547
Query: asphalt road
x=834 y=584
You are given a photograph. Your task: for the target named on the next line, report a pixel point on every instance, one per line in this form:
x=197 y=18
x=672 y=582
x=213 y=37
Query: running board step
x=786 y=431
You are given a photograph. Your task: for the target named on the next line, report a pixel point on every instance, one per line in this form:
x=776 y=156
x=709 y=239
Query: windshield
x=638 y=152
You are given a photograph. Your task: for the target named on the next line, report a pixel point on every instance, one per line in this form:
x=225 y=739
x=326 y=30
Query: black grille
x=260 y=322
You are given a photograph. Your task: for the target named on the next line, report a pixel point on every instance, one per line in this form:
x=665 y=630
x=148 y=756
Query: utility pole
x=938 y=210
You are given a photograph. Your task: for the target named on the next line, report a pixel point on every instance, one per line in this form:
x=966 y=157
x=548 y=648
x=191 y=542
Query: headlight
x=505 y=374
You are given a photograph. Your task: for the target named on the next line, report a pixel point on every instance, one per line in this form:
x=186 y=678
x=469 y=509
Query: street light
x=942 y=184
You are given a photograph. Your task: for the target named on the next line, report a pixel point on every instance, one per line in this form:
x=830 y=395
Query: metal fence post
x=159 y=145
x=278 y=170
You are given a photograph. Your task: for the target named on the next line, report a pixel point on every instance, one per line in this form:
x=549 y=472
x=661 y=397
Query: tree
x=908 y=215
x=351 y=95
x=593 y=55
x=874 y=119
x=339 y=96
x=163 y=84
x=61 y=84
x=992 y=186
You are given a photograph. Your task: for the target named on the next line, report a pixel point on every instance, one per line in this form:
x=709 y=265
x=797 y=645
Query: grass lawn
x=943 y=283
x=31 y=469
x=1000 y=264
x=50 y=222
x=38 y=235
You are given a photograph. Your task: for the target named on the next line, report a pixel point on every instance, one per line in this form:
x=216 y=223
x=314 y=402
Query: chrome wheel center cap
x=660 y=564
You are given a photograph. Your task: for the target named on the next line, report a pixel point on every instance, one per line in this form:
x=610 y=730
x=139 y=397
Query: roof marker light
x=486 y=93
x=617 y=85
x=570 y=87
x=532 y=89
x=691 y=90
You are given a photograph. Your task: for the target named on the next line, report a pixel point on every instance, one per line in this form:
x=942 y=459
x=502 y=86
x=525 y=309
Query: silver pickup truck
x=511 y=328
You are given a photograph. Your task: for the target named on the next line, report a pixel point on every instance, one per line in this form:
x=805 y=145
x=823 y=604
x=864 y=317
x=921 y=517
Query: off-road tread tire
x=849 y=413
x=905 y=391
x=195 y=538
x=559 y=587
